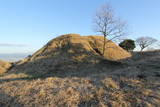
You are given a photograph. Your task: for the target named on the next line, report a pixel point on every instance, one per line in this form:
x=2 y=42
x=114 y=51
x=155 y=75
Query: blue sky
x=26 y=25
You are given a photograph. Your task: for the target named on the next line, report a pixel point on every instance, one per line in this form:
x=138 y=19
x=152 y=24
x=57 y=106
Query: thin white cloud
x=12 y=45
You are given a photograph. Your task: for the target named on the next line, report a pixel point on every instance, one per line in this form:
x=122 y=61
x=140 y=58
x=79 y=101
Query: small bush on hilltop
x=128 y=44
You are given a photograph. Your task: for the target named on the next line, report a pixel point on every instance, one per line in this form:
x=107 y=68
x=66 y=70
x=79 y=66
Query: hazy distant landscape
x=13 y=57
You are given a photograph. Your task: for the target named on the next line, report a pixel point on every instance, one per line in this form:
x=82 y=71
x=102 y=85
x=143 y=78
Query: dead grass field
x=71 y=73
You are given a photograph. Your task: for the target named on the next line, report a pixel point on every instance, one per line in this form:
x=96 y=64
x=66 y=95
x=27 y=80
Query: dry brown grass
x=89 y=43
x=4 y=66
x=71 y=73
x=80 y=92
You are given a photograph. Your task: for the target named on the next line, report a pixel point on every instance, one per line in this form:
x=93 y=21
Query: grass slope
x=4 y=66
x=77 y=76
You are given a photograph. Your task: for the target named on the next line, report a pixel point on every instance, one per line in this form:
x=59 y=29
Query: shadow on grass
x=8 y=101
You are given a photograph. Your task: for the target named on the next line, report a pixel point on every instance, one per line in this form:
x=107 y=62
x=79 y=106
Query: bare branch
x=107 y=24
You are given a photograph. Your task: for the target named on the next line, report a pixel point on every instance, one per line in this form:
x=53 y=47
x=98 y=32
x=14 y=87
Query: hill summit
x=74 y=43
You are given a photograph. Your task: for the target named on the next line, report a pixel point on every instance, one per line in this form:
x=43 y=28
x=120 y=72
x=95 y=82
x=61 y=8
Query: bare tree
x=145 y=42
x=108 y=25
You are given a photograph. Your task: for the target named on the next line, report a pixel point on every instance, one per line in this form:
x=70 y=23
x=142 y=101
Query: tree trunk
x=104 y=45
x=142 y=49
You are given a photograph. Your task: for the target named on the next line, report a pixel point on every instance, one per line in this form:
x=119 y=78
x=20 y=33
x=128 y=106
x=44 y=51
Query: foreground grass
x=102 y=90
x=135 y=85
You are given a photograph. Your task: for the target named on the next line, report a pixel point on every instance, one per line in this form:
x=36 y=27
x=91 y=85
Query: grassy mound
x=69 y=71
x=74 y=43
x=70 y=55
